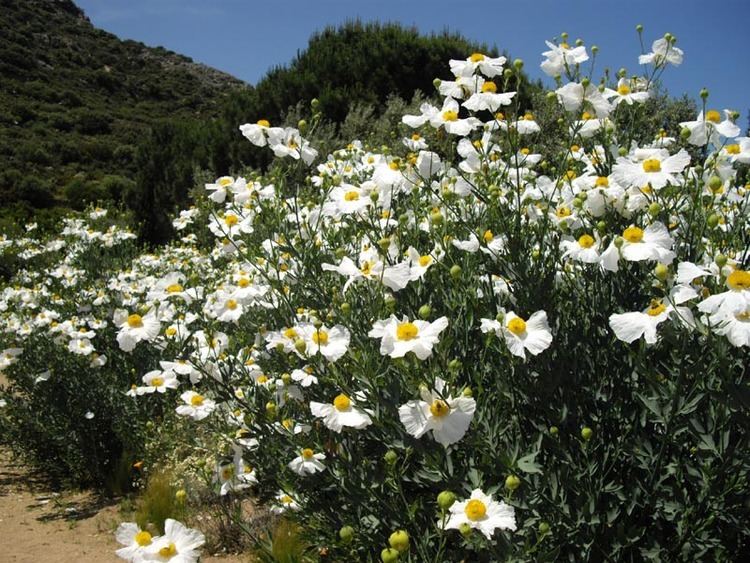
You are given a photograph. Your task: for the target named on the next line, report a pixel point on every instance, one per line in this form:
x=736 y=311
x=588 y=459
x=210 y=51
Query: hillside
x=75 y=100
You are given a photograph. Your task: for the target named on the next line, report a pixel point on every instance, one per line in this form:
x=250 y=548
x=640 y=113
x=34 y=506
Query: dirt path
x=40 y=526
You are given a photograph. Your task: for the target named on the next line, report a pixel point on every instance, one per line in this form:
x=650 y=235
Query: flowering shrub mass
x=460 y=347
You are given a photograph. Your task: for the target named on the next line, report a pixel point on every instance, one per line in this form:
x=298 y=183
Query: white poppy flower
x=342 y=412
x=398 y=338
x=481 y=513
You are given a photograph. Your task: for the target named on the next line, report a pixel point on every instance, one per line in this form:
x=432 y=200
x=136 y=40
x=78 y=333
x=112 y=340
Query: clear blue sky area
x=248 y=37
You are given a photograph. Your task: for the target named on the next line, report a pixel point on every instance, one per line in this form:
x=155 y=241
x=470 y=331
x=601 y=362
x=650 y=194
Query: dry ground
x=41 y=526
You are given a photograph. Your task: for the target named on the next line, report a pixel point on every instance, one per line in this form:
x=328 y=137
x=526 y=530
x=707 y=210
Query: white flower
x=398 y=338
x=179 y=544
x=446 y=417
x=652 y=244
x=584 y=249
x=158 y=381
x=533 y=335
x=257 y=132
x=234 y=476
x=629 y=327
x=136 y=328
x=307 y=463
x=477 y=61
x=196 y=406
x=342 y=412
x=626 y=92
x=662 y=51
x=561 y=56
x=709 y=128
x=573 y=96
x=284 y=502
x=289 y=142
x=134 y=539
x=481 y=513
x=331 y=343
x=488 y=98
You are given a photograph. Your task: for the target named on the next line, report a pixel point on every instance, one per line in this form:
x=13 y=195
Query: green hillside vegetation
x=74 y=101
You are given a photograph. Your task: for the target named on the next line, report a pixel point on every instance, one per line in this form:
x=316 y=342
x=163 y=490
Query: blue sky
x=248 y=37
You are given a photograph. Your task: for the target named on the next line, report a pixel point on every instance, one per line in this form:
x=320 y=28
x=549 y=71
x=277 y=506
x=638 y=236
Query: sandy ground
x=44 y=527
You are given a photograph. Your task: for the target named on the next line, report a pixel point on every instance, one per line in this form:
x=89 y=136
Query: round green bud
x=340 y=253
x=601 y=226
x=455 y=364
x=685 y=133
x=587 y=433
x=445 y=500
x=564 y=35
x=180 y=496
x=554 y=430
x=622 y=72
x=720 y=260
x=713 y=221
x=399 y=540
x=271 y=408
x=315 y=103
x=585 y=82
x=436 y=83
x=579 y=42
x=639 y=28
x=436 y=218
x=389 y=555
x=595 y=49
x=374 y=196
x=467 y=392
x=500 y=317
x=286 y=378
x=512 y=482
x=384 y=243
x=464 y=529
x=543 y=528
x=346 y=308
x=551 y=96
x=336 y=180
x=577 y=202
x=654 y=209
x=518 y=63
x=456 y=271
x=704 y=93
x=622 y=151
x=390 y=302
x=346 y=534
x=715 y=183
x=661 y=271
x=424 y=312
x=302 y=125
x=535 y=253
x=390 y=457
x=300 y=345
x=668 y=36
x=619 y=241
x=318 y=324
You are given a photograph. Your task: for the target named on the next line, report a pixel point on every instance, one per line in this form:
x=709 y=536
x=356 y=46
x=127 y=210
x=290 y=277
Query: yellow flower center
x=307 y=454
x=571 y=175
x=135 y=321
x=743 y=316
x=157 y=382
x=489 y=87
x=262 y=379
x=525 y=151
x=450 y=115
x=488 y=236
x=623 y=89
x=196 y=400
x=342 y=402
x=713 y=116
x=517 y=326
x=225 y=182
x=476 y=57
x=143 y=538
x=231 y=304
x=174 y=288
x=320 y=337
x=287 y=423
x=739 y=280
x=416 y=136
x=230 y=220
x=475 y=510
x=227 y=472
x=563 y=211
x=656 y=308
x=171 y=331
x=243 y=282
x=439 y=408
x=585 y=116
x=633 y=234
x=406 y=331
x=602 y=182
x=425 y=261
x=651 y=165
x=586 y=241
x=574 y=148
x=168 y=551
x=528 y=116
x=733 y=149
x=286 y=499
x=564 y=45
x=393 y=165
x=290 y=333
x=366 y=268
x=351 y=195
x=263 y=123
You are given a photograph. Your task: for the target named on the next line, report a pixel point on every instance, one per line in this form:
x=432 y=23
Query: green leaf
x=528 y=465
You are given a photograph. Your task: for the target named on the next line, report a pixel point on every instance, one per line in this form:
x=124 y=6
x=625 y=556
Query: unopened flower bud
x=587 y=433
x=661 y=271
x=720 y=260
x=346 y=533
x=654 y=209
x=456 y=271
x=704 y=93
x=390 y=457
x=445 y=500
x=389 y=555
x=512 y=482
x=399 y=540
x=424 y=312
